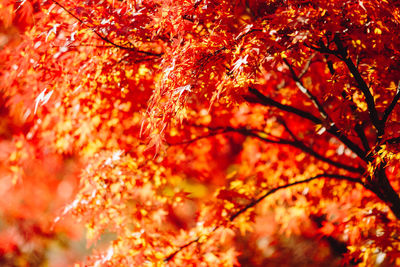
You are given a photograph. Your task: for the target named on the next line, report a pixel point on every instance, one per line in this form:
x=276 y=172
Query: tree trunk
x=385 y=191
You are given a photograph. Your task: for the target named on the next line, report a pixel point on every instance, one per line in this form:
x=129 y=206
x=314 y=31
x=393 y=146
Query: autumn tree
x=215 y=132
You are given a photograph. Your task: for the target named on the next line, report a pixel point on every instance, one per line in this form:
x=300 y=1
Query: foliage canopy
x=209 y=131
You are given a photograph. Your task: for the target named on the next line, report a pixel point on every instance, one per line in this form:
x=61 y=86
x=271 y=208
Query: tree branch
x=394 y=140
x=359 y=128
x=307 y=66
x=303 y=147
x=322 y=49
x=266 y=101
x=342 y=54
x=271 y=191
x=202 y=62
x=332 y=129
x=172 y=255
x=282 y=121
x=314 y=100
x=390 y=108
x=384 y=190
x=258 y=200
x=105 y=39
x=276 y=140
x=190 y=141
x=304 y=90
x=364 y=88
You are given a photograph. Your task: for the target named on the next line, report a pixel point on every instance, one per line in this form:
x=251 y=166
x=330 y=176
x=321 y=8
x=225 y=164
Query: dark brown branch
x=330 y=65
x=270 y=192
x=316 y=103
x=384 y=190
x=258 y=200
x=359 y=127
x=362 y=85
x=172 y=255
x=282 y=121
x=307 y=66
x=190 y=141
x=275 y=140
x=394 y=140
x=305 y=91
x=104 y=38
x=332 y=129
x=342 y=54
x=322 y=49
x=300 y=145
x=266 y=101
x=390 y=108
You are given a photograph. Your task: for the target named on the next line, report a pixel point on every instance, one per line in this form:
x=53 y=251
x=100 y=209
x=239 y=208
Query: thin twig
x=307 y=66
x=282 y=121
x=172 y=255
x=202 y=62
x=105 y=39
